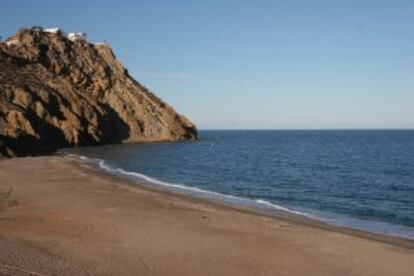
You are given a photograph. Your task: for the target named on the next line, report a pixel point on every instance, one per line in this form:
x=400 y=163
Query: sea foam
x=193 y=191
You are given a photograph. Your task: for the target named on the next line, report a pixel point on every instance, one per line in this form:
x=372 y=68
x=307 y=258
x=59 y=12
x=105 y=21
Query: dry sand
x=57 y=216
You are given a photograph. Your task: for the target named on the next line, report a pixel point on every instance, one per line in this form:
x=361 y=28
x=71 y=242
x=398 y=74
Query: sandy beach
x=60 y=217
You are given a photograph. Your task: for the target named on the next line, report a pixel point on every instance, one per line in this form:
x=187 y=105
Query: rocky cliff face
x=60 y=90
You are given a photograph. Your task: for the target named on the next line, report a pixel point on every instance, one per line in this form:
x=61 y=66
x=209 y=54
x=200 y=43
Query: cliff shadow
x=49 y=137
x=114 y=128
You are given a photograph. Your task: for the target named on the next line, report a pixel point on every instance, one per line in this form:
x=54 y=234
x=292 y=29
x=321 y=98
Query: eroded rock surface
x=60 y=90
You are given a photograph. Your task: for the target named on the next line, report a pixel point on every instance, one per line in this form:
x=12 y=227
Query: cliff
x=59 y=90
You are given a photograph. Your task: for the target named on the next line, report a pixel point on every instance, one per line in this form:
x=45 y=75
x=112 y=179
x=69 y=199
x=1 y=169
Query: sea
x=360 y=179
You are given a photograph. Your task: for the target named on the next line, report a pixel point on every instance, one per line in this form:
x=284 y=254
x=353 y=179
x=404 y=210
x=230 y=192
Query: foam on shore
x=262 y=205
x=194 y=191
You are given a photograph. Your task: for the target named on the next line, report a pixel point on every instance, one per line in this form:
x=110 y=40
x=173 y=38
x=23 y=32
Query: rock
x=57 y=91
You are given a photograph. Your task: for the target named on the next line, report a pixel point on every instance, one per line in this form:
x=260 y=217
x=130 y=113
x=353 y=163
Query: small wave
x=284 y=209
x=260 y=204
x=235 y=200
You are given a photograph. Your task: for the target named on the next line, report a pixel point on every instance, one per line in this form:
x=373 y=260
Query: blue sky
x=254 y=64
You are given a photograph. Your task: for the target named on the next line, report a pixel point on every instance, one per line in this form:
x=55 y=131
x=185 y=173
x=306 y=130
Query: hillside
x=59 y=90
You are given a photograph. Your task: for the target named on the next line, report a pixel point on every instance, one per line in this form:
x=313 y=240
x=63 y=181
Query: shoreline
x=77 y=219
x=273 y=212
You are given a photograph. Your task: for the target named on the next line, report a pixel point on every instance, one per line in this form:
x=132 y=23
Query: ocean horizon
x=356 y=178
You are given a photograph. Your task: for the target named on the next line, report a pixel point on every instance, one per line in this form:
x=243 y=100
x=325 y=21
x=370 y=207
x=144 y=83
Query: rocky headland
x=60 y=90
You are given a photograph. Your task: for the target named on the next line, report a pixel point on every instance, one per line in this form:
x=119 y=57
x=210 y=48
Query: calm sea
x=362 y=179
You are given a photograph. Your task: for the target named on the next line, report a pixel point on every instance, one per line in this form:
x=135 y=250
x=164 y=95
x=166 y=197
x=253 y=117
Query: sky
x=254 y=64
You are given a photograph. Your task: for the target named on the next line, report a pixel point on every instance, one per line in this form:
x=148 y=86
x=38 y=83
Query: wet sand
x=58 y=216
